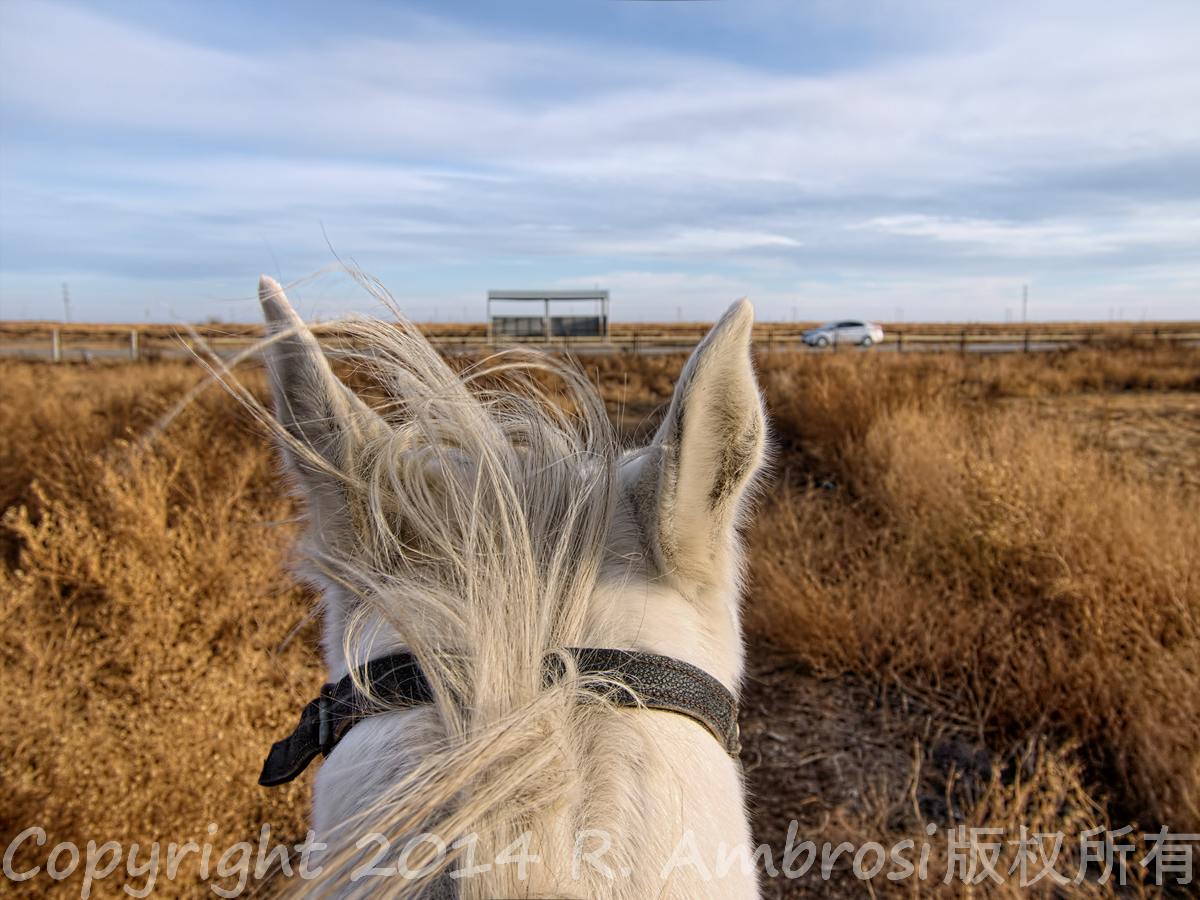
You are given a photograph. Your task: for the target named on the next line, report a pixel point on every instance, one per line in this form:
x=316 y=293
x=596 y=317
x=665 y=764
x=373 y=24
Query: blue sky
x=916 y=159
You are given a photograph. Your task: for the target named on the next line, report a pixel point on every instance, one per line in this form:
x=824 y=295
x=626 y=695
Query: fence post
x=962 y=342
x=899 y=341
x=770 y=340
x=636 y=341
x=55 y=345
x=134 y=345
x=1026 y=340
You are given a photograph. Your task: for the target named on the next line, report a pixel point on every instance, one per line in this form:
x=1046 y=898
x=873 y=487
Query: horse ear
x=326 y=421
x=707 y=450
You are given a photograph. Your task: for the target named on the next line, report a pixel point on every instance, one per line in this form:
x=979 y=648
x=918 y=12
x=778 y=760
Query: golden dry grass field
x=974 y=600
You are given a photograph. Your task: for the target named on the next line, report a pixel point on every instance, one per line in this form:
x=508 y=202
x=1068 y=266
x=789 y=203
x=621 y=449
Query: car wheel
x=867 y=342
x=822 y=341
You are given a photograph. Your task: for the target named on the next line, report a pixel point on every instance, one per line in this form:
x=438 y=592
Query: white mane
x=482 y=521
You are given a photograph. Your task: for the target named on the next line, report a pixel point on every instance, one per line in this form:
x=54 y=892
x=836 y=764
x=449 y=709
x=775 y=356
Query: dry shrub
x=149 y=618
x=975 y=578
x=962 y=550
x=1138 y=367
x=52 y=413
x=1044 y=795
x=843 y=762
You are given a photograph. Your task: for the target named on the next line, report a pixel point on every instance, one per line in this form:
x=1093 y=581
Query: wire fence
x=61 y=342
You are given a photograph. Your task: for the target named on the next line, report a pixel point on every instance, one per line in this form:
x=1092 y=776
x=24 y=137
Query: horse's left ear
x=327 y=423
x=707 y=451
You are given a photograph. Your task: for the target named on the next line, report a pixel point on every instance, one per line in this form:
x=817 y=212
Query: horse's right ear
x=325 y=422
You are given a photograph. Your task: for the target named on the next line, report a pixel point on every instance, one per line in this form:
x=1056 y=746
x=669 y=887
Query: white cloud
x=1044 y=85
x=648 y=295
x=686 y=242
x=1049 y=237
x=448 y=146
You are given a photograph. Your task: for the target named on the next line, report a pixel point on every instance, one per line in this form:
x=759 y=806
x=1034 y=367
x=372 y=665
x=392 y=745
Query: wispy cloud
x=1054 y=238
x=1049 y=143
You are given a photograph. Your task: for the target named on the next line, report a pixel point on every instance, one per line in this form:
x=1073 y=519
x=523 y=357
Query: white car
x=864 y=334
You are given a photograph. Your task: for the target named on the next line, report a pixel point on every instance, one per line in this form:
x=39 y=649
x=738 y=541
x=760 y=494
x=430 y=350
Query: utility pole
x=1024 y=303
x=66 y=303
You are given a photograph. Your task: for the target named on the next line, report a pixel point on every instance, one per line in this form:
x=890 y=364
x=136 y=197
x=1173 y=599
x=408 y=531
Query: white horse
x=484 y=521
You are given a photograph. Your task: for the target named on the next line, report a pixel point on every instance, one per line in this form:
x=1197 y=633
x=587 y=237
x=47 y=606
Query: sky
x=908 y=161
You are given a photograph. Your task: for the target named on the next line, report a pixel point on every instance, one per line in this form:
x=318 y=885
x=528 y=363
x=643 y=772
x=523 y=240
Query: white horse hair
x=482 y=521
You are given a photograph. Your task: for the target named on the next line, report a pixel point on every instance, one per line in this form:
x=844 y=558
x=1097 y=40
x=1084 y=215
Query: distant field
x=974 y=599
x=132 y=340
x=452 y=330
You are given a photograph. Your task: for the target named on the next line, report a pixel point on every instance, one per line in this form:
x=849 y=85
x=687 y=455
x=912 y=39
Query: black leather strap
x=662 y=683
x=626 y=678
x=395 y=681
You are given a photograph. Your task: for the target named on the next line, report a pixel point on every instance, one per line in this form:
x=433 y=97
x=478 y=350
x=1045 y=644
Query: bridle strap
x=634 y=679
x=625 y=678
x=395 y=681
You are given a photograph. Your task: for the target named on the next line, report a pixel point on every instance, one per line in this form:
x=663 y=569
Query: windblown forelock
x=476 y=522
x=477 y=517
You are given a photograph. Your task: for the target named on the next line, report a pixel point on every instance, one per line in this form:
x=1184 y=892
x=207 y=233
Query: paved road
x=39 y=350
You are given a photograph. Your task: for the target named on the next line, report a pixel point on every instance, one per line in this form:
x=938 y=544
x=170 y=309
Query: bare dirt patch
x=1156 y=435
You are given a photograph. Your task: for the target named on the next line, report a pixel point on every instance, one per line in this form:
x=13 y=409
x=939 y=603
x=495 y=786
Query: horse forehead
x=627 y=542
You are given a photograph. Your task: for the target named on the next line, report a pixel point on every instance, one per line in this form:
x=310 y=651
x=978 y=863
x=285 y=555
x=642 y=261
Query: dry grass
x=147 y=613
x=966 y=609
